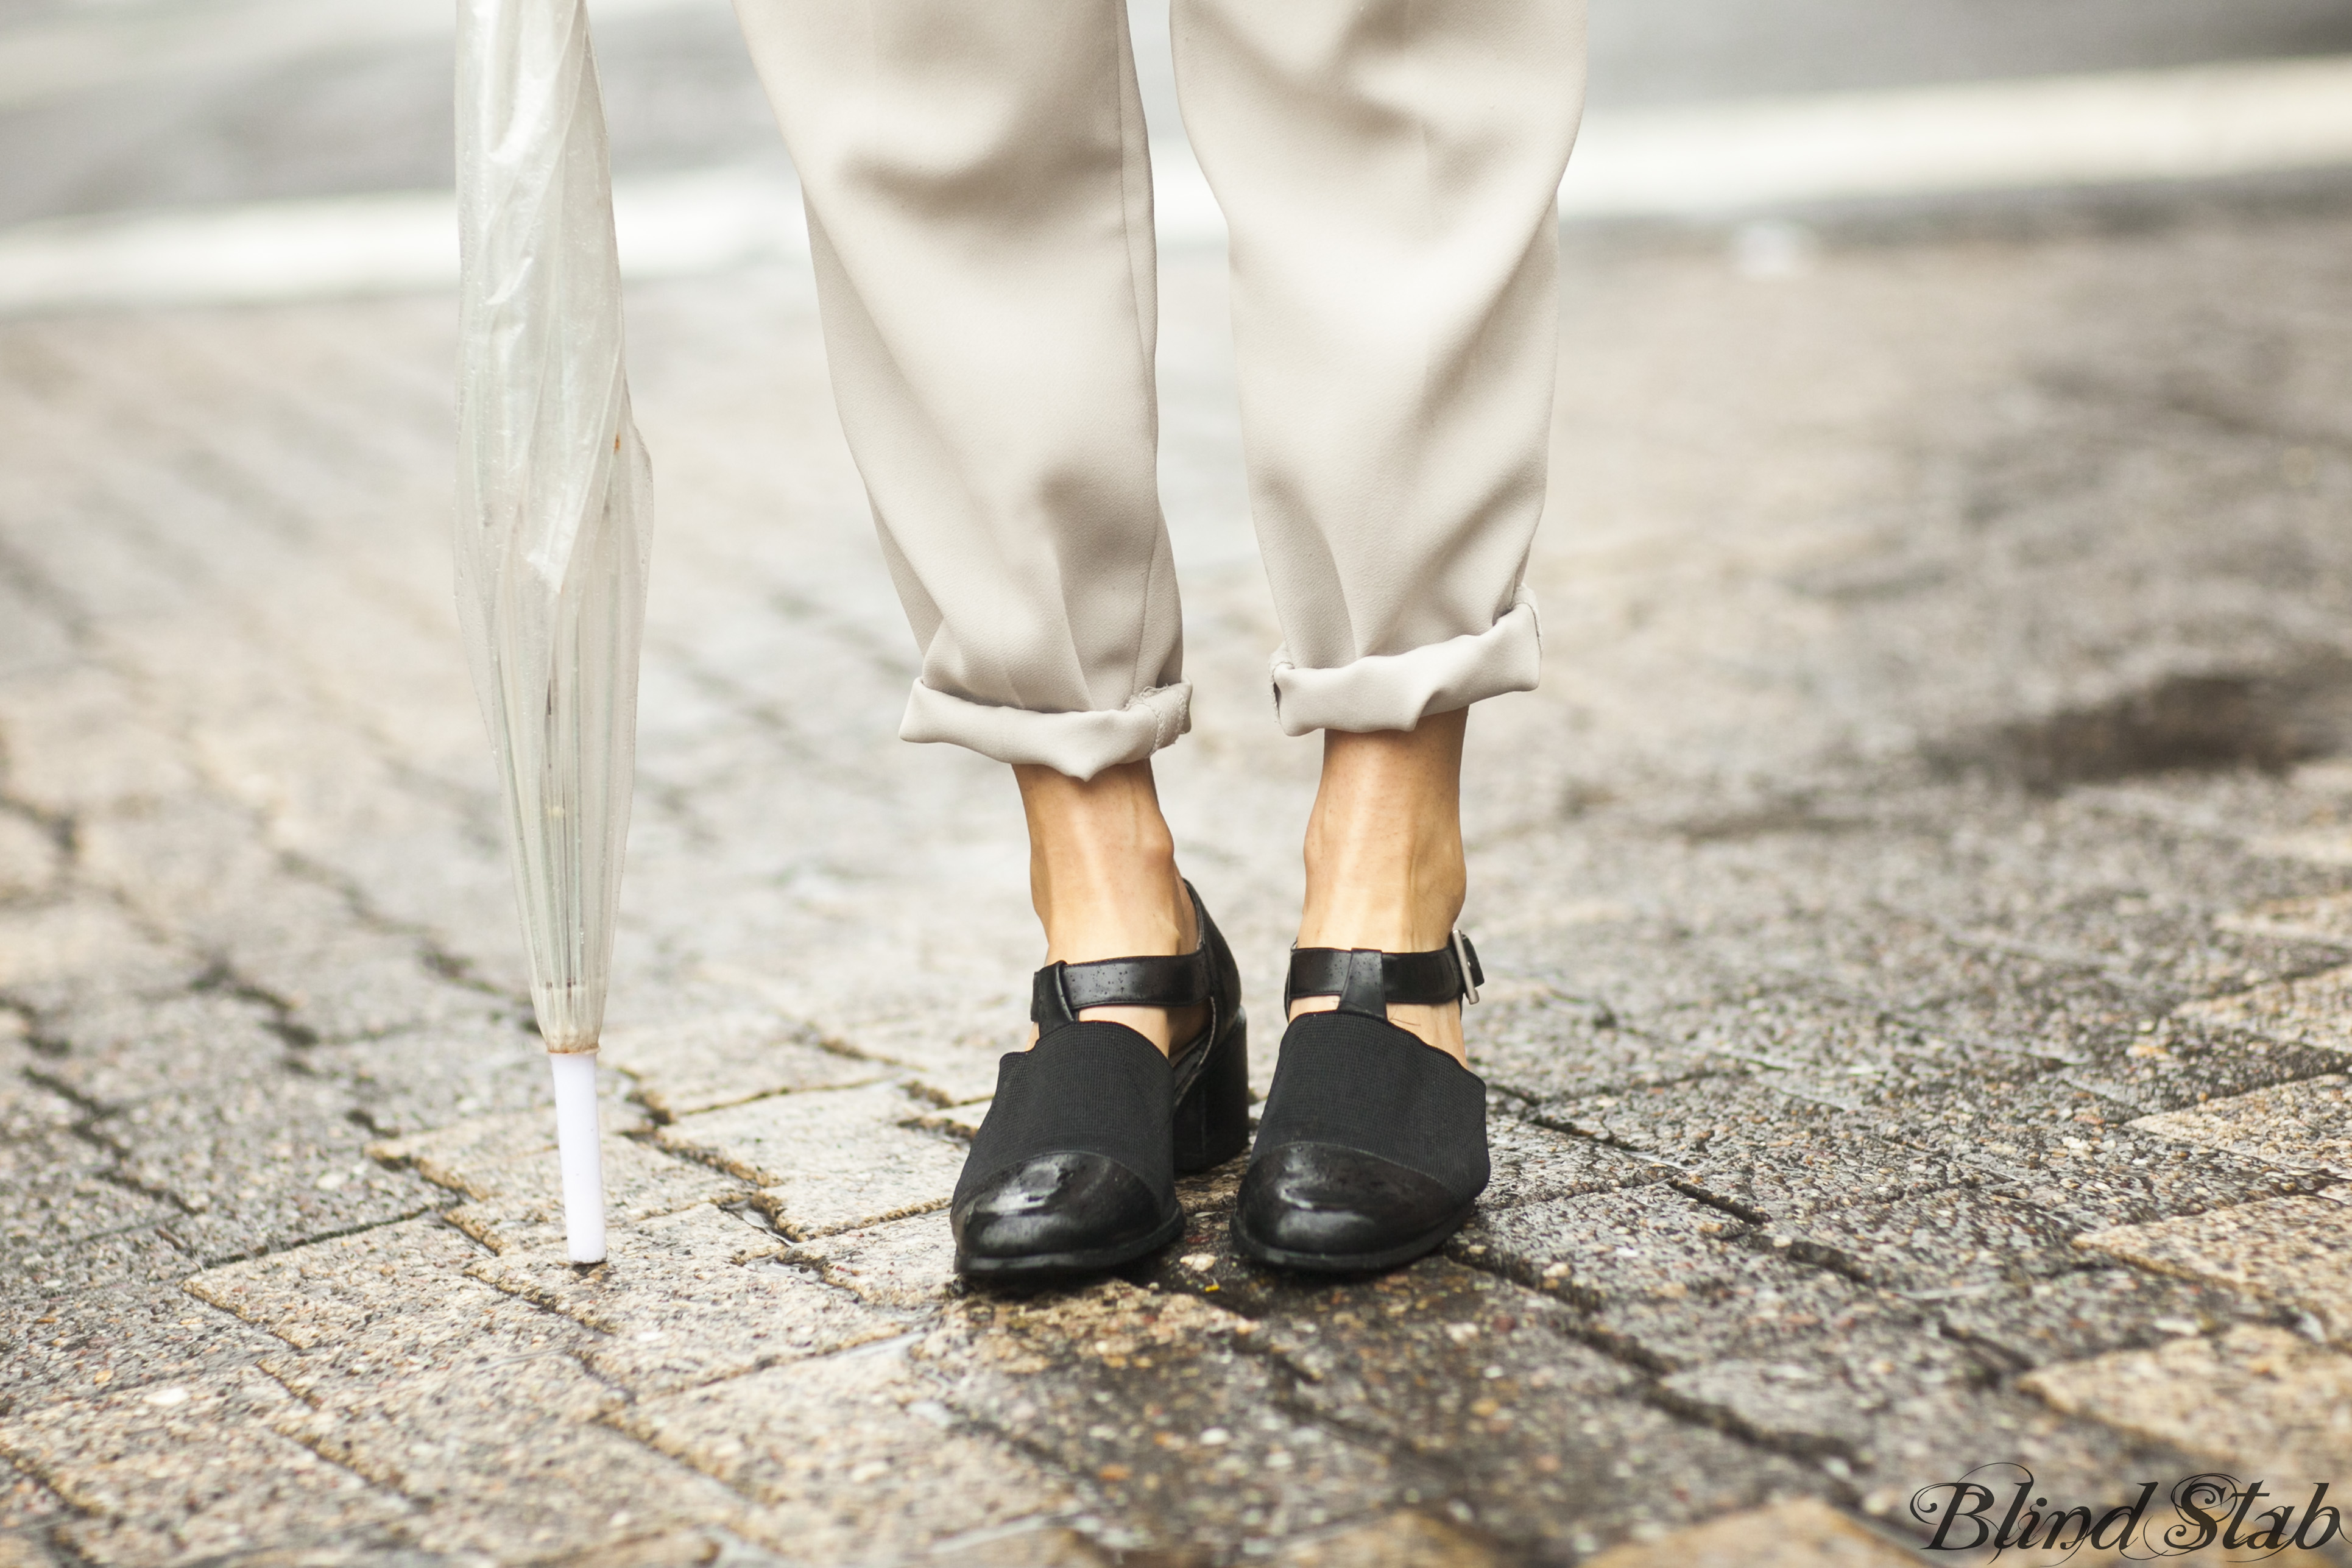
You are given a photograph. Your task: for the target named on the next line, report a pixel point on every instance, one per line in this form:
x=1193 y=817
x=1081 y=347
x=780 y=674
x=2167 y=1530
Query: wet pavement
x=1918 y=908
x=1916 y=905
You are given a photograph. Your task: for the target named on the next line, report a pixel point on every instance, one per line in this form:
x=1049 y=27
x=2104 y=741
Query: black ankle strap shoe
x=1373 y=1146
x=1073 y=1170
x=1367 y=980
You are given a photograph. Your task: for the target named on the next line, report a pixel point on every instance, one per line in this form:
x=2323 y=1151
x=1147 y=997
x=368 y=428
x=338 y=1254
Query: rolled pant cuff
x=1396 y=692
x=1078 y=745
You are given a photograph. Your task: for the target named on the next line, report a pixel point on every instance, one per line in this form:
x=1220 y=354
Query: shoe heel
x=1212 y=1119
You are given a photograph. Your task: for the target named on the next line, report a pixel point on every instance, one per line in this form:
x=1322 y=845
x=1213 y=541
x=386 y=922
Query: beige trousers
x=978 y=197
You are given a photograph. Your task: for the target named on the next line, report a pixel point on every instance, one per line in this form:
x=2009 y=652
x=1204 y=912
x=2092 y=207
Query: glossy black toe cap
x=1059 y=1212
x=1318 y=1206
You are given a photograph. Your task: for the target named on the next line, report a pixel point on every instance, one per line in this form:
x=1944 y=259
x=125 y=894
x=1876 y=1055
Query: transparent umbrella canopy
x=554 y=521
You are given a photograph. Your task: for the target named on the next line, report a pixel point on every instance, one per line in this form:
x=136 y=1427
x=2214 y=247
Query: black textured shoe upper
x=1371 y=1148
x=1074 y=1168
x=1090 y=1089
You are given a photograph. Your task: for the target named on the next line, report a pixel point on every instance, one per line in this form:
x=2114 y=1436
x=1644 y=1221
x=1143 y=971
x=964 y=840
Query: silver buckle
x=1462 y=959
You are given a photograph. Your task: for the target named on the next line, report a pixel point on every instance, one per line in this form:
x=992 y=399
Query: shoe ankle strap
x=1367 y=980
x=1061 y=991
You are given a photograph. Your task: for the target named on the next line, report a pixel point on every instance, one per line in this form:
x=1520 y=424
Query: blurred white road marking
x=1699 y=160
x=59 y=57
x=403 y=242
x=2199 y=123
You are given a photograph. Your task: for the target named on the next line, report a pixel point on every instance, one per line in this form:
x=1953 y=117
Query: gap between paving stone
x=691 y=1297
x=712 y=1062
x=194 y=1470
x=850 y=1458
x=474 y=1401
x=1181 y=1431
x=505 y=1166
x=827 y=1160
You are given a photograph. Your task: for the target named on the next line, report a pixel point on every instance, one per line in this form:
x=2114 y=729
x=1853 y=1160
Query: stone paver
x=691 y=1297
x=1805 y=1534
x=1162 y=1404
x=191 y=1471
x=1405 y=1539
x=311 y=1177
x=2077 y=1315
x=2294 y=1251
x=131 y=1337
x=477 y=1408
x=823 y=1449
x=827 y=1160
x=904 y=1263
x=2307 y=1124
x=27 y=1105
x=708 y=1063
x=2307 y=1011
x=319 y=1294
x=2326 y=918
x=1916 y=906
x=2263 y=1401
x=55 y=953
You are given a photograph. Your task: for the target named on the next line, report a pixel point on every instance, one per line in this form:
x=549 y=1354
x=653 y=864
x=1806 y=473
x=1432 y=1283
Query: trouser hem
x=1078 y=745
x=1396 y=692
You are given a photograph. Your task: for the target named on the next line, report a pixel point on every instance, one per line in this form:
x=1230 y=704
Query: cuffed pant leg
x=979 y=195
x=1388 y=171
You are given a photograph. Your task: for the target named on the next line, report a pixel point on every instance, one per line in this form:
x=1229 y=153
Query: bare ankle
x=1103 y=879
x=1383 y=851
x=1385 y=858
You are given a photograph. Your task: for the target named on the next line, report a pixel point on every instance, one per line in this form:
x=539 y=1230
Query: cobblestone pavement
x=1918 y=903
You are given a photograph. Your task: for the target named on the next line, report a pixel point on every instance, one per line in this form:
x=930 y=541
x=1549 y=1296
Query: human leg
x=1387 y=169
x=1384 y=866
x=979 y=198
x=1139 y=1068
x=1103 y=878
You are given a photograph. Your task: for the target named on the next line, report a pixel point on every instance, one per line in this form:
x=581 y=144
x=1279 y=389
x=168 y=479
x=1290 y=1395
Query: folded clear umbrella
x=554 y=521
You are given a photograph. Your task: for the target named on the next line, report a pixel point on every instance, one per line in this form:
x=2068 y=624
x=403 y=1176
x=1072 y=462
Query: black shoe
x=1373 y=1146
x=1073 y=1170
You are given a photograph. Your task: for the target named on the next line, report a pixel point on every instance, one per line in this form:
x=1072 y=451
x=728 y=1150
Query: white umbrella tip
x=579 y=1150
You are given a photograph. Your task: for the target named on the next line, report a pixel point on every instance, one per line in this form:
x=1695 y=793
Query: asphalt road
x=367 y=109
